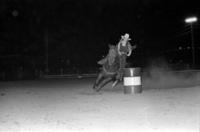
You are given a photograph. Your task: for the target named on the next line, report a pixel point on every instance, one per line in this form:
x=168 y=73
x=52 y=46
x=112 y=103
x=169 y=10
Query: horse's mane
x=112 y=54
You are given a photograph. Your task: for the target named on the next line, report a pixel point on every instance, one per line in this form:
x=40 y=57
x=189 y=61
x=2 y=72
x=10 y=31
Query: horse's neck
x=113 y=67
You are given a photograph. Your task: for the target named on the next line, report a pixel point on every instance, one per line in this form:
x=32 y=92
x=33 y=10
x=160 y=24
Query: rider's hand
x=134 y=47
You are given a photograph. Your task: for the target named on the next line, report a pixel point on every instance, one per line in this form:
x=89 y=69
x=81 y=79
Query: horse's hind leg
x=103 y=83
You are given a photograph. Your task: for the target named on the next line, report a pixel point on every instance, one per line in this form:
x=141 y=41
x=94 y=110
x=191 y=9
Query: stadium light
x=191 y=20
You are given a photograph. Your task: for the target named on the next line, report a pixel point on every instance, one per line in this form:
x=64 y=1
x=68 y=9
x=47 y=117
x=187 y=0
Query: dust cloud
x=160 y=75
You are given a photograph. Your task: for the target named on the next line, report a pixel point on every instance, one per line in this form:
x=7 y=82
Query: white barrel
x=132 y=80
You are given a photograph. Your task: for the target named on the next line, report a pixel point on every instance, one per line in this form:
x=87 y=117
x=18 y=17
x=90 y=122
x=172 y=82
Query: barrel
x=132 y=80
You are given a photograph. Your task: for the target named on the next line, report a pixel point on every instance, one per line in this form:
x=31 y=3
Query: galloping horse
x=110 y=69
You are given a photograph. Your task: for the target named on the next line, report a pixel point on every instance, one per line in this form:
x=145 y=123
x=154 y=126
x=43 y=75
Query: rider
x=124 y=49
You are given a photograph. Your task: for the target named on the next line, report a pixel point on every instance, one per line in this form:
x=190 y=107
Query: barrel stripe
x=129 y=81
x=132 y=89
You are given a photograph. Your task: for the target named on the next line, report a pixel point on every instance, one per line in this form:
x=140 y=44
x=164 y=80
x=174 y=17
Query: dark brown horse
x=109 y=70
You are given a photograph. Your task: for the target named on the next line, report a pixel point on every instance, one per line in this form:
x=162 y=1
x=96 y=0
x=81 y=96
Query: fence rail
x=71 y=76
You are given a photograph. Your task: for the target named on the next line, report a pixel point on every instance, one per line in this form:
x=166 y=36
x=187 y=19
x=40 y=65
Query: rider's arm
x=129 y=49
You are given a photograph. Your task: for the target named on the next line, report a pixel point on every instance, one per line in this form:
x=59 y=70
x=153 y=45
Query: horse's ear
x=111 y=46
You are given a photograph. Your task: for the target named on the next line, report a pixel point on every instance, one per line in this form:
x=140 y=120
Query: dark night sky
x=76 y=29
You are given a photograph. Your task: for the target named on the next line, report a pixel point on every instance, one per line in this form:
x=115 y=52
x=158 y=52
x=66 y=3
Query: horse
x=109 y=70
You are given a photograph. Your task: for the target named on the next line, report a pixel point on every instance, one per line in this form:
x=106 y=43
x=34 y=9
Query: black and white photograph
x=99 y=66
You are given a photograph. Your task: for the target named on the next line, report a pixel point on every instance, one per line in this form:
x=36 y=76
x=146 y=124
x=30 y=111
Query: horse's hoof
x=97 y=90
x=94 y=87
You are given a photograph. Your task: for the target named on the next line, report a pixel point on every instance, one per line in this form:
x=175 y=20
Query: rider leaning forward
x=124 y=50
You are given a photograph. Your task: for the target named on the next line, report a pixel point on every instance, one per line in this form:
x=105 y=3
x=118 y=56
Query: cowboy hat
x=126 y=36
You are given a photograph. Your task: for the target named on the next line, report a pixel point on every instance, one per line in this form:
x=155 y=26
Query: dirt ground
x=70 y=105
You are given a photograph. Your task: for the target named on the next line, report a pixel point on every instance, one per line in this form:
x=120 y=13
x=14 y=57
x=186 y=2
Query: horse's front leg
x=97 y=81
x=104 y=82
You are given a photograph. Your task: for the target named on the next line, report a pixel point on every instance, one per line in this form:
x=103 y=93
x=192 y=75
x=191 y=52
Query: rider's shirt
x=124 y=49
